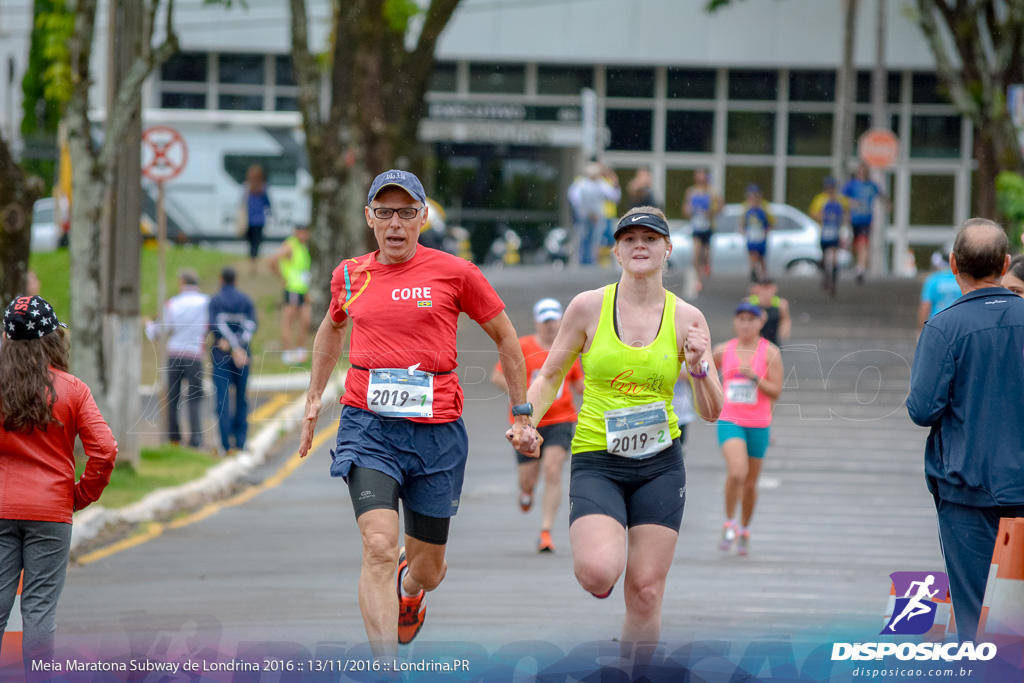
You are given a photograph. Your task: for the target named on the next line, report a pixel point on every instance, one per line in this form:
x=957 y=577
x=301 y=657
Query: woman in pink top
x=43 y=410
x=751 y=370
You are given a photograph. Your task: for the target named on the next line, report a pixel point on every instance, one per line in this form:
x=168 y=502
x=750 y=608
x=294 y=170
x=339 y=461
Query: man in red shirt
x=557 y=427
x=401 y=433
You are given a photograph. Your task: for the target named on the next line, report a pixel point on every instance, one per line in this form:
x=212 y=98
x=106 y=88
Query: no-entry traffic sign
x=164 y=153
x=879 y=148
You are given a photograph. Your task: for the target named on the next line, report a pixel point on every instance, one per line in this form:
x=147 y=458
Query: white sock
x=731 y=522
x=401 y=582
x=743 y=530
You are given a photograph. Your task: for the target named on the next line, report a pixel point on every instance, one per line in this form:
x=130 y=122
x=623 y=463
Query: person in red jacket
x=43 y=409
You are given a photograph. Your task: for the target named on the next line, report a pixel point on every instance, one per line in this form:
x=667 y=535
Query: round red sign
x=164 y=153
x=879 y=148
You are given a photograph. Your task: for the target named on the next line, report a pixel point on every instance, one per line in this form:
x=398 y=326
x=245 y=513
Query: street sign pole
x=166 y=155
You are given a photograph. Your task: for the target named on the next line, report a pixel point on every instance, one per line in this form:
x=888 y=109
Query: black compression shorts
x=373 y=490
x=633 y=492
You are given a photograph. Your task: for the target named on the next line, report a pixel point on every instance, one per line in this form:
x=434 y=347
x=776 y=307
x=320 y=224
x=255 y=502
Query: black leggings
x=373 y=490
x=255 y=236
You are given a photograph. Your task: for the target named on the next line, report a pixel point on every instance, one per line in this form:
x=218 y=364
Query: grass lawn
x=52 y=268
x=159 y=468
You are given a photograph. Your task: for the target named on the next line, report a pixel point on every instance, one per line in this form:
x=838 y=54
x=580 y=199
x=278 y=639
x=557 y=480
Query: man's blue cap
x=747 y=307
x=829 y=182
x=403 y=179
x=753 y=189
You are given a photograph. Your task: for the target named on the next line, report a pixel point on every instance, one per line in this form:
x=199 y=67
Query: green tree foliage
x=1010 y=196
x=46 y=86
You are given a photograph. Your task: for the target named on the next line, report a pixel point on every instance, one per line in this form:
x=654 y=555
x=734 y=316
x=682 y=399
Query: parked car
x=794 y=245
x=45 y=231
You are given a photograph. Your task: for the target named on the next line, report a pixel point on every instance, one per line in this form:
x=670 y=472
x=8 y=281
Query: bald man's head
x=980 y=249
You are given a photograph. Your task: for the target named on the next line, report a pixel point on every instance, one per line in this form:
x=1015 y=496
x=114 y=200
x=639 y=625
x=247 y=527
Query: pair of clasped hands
x=524 y=438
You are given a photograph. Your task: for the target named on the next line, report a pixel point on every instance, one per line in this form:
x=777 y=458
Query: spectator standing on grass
x=186 y=323
x=256 y=203
x=968 y=356
x=233 y=323
x=43 y=410
x=293 y=265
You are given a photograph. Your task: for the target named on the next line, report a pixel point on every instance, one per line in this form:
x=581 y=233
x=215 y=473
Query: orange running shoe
x=411 y=611
x=546 y=545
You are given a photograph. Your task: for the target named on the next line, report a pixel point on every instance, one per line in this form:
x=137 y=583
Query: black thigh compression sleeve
x=433 y=530
x=371 y=490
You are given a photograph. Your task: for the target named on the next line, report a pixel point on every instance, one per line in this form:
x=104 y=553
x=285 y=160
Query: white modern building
x=748 y=92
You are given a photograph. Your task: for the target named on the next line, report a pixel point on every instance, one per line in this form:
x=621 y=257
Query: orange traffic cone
x=1002 y=611
x=10 y=650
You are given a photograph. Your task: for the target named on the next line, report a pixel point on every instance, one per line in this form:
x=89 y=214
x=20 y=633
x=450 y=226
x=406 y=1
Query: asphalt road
x=843 y=503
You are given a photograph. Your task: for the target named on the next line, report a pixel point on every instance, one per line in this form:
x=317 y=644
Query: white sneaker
x=728 y=537
x=298 y=355
x=287 y=357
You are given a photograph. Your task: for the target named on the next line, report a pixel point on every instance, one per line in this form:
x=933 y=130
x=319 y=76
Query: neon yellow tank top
x=617 y=375
x=295 y=270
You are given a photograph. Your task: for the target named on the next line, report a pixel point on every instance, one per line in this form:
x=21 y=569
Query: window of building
x=241 y=69
x=812 y=86
x=497 y=78
x=892 y=87
x=737 y=178
x=284 y=70
x=862 y=122
x=629 y=82
x=563 y=80
x=927 y=89
x=691 y=84
x=444 y=77
x=676 y=182
x=240 y=102
x=931 y=199
x=689 y=131
x=810 y=134
x=182 y=100
x=631 y=129
x=802 y=184
x=753 y=85
x=750 y=132
x=286 y=103
x=935 y=137
x=185 y=67
x=281 y=171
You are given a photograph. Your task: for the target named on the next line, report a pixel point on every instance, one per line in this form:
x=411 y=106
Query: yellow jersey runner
x=627 y=396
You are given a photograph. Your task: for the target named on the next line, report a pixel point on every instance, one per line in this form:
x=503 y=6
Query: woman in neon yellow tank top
x=628 y=484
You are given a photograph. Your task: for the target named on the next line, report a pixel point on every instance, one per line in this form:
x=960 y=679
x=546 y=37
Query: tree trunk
x=987 y=41
x=375 y=101
x=18 y=193
x=847 y=85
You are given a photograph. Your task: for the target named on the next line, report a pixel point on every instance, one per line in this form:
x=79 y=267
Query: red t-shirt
x=407 y=314
x=563 y=409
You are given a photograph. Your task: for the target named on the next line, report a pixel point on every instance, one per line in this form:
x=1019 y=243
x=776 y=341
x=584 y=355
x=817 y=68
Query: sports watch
x=523 y=409
x=704 y=367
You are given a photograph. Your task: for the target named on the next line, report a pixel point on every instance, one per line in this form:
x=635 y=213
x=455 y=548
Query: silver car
x=794 y=243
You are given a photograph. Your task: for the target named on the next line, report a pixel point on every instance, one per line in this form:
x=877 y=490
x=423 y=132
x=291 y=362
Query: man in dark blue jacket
x=967 y=384
x=232 y=322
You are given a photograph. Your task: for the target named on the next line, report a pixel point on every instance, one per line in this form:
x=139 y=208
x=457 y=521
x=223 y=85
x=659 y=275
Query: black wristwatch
x=523 y=409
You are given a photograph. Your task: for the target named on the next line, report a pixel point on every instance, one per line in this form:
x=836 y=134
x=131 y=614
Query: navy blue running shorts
x=559 y=434
x=633 y=492
x=427 y=460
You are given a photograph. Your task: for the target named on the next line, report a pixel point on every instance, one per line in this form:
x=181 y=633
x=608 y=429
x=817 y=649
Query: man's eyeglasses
x=405 y=213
